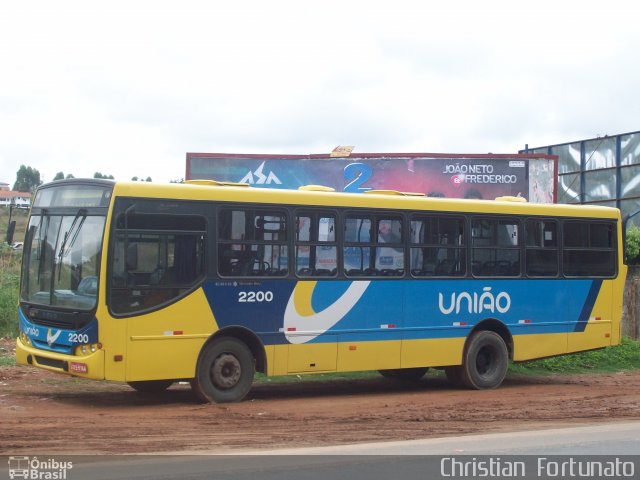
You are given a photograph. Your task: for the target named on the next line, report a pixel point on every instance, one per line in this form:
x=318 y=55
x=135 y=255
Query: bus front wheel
x=485 y=361
x=225 y=371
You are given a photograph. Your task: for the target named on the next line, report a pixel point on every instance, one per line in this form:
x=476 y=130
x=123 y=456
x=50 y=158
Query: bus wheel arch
x=226 y=366
x=250 y=339
x=494 y=325
x=485 y=358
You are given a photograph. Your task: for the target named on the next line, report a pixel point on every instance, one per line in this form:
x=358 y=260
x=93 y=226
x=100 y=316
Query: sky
x=127 y=88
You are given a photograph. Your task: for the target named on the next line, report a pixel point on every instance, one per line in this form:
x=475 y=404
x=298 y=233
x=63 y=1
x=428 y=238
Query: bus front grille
x=51 y=362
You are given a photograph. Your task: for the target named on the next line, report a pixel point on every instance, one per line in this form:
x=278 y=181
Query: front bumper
x=85 y=366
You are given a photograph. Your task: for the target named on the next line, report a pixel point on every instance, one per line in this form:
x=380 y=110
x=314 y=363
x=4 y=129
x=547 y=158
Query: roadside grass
x=7 y=357
x=314 y=377
x=9 y=285
x=20 y=216
x=10 y=271
x=623 y=357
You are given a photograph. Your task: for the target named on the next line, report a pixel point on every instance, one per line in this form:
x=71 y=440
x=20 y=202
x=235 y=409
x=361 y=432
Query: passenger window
x=367 y=254
x=589 y=249
x=437 y=247
x=316 y=248
x=252 y=243
x=495 y=248
x=156 y=259
x=541 y=248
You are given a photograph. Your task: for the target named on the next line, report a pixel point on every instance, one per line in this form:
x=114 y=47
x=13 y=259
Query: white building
x=18 y=199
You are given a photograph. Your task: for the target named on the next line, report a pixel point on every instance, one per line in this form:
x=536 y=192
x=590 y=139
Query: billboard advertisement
x=437 y=175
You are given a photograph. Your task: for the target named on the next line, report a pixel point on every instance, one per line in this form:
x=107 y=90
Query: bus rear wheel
x=151 y=386
x=225 y=371
x=405 y=374
x=486 y=359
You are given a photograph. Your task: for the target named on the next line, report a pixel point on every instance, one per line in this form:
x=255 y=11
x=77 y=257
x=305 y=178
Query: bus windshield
x=62 y=259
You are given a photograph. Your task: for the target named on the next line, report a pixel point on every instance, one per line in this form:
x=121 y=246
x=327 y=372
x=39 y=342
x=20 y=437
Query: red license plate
x=78 y=367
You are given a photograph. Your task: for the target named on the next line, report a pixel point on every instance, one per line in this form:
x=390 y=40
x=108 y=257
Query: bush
x=632 y=247
x=9 y=285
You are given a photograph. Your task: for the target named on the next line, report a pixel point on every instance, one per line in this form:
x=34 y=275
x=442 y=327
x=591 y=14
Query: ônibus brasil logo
x=34 y=468
x=476 y=303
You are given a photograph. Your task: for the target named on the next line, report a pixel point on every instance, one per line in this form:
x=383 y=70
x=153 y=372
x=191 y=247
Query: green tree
x=61 y=175
x=632 y=247
x=100 y=175
x=27 y=179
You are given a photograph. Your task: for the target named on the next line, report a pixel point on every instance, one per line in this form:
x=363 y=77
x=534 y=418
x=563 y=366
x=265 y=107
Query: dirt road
x=42 y=412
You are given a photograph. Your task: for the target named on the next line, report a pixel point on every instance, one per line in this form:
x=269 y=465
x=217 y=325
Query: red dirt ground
x=42 y=412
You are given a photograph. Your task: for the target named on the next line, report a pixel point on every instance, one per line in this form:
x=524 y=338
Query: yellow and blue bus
x=211 y=282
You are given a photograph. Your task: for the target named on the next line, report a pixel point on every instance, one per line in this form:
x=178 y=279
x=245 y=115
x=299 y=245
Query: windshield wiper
x=41 y=240
x=64 y=249
x=72 y=233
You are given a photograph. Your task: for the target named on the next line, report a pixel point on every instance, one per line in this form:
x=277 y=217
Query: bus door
x=157 y=266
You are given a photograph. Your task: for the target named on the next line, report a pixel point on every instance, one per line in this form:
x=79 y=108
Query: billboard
x=437 y=175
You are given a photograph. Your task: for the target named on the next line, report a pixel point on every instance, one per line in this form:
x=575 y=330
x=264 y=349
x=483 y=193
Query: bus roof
x=383 y=201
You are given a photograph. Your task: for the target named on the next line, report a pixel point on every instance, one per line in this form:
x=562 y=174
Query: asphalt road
x=540 y=454
x=603 y=439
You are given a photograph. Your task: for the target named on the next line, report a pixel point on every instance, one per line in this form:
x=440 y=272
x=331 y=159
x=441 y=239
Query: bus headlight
x=88 y=348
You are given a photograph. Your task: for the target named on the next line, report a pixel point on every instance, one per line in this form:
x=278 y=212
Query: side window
x=589 y=249
x=389 y=252
x=252 y=243
x=495 y=248
x=437 y=247
x=373 y=245
x=357 y=245
x=541 y=248
x=316 y=247
x=156 y=258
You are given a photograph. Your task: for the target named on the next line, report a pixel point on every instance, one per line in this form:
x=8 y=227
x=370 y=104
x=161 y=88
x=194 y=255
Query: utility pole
x=12 y=225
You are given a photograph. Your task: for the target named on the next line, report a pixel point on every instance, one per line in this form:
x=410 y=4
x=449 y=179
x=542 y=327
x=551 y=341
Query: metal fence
x=602 y=171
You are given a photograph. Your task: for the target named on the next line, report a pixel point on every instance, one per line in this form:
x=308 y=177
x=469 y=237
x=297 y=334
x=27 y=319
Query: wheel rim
x=226 y=371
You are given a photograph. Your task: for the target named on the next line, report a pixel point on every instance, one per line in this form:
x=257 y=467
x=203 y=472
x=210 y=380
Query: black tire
x=485 y=361
x=454 y=375
x=405 y=374
x=151 y=386
x=224 y=372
